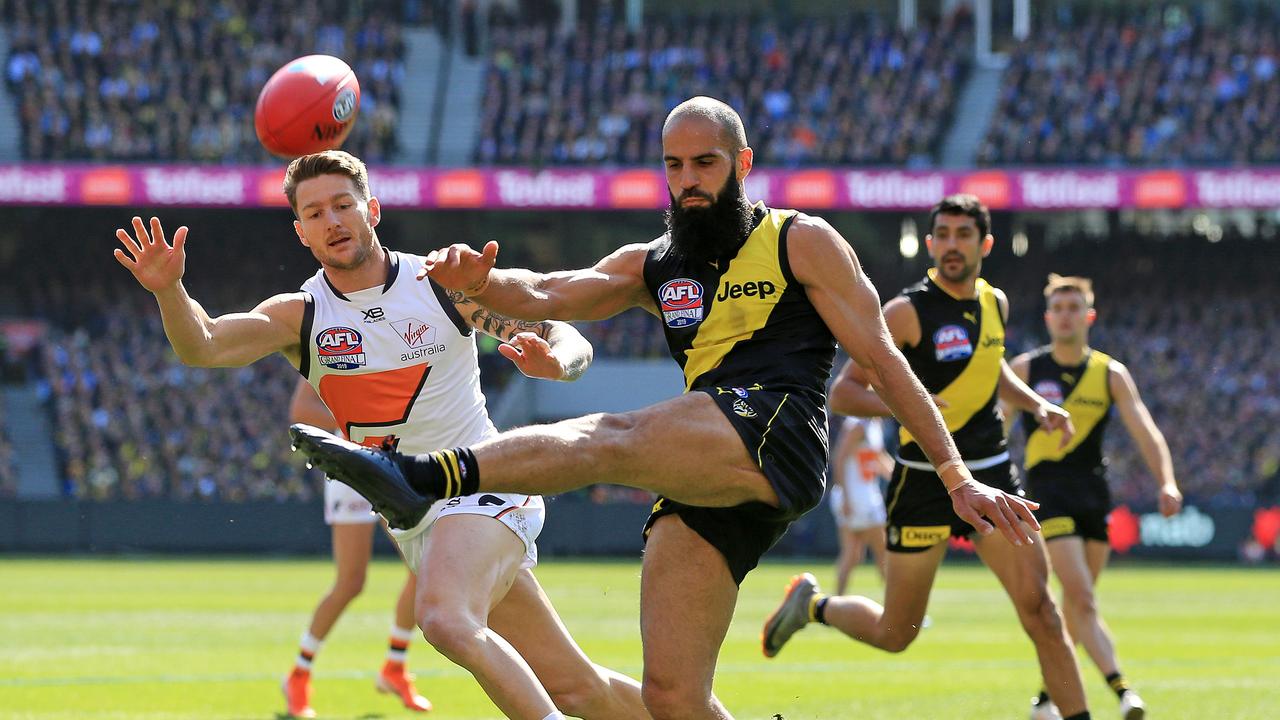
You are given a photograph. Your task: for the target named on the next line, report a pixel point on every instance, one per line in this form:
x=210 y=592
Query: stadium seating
x=811 y=91
x=152 y=80
x=1141 y=85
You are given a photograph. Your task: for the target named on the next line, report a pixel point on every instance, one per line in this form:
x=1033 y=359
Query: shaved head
x=732 y=134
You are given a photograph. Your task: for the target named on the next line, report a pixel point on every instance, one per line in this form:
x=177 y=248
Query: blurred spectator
x=156 y=80
x=1141 y=84
x=8 y=462
x=852 y=90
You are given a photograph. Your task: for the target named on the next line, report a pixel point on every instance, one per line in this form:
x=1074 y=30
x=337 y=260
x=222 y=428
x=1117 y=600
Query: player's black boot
x=372 y=472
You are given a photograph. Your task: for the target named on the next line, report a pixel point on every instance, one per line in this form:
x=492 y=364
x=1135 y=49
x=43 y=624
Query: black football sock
x=1079 y=716
x=818 y=609
x=1044 y=698
x=442 y=474
x=1118 y=683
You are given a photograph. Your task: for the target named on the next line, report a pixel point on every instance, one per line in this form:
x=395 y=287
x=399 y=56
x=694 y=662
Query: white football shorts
x=522 y=514
x=868 y=506
x=344 y=506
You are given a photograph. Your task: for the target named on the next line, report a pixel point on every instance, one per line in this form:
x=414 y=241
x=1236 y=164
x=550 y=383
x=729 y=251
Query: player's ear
x=988 y=242
x=1090 y=317
x=297 y=227
x=746 y=156
x=375 y=212
x=928 y=244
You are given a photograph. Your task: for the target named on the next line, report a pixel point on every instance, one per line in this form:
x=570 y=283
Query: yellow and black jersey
x=958 y=359
x=745 y=320
x=1084 y=391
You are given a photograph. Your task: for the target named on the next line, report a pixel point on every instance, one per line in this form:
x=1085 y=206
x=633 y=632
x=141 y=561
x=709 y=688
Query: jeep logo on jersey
x=761 y=289
x=681 y=301
x=951 y=342
x=1049 y=390
x=414 y=332
x=340 y=348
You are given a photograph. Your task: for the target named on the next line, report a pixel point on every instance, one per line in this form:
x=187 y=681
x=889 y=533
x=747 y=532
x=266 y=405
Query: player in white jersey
x=395 y=362
x=858 y=463
x=351 y=520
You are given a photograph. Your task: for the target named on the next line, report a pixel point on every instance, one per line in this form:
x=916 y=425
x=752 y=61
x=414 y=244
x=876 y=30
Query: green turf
x=122 y=638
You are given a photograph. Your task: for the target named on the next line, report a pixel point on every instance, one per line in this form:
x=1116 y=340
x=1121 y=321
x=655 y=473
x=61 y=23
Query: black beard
x=706 y=234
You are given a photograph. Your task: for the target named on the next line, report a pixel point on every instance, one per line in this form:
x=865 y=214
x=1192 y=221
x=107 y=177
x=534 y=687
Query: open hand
x=533 y=356
x=155 y=263
x=460 y=268
x=974 y=501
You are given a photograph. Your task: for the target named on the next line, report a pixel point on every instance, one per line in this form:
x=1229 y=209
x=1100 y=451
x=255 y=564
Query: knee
x=1040 y=616
x=670 y=698
x=615 y=434
x=898 y=639
x=451 y=632
x=1081 y=602
x=588 y=691
x=347 y=587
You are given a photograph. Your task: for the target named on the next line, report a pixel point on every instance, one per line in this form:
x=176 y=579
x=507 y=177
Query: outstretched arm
x=231 y=340
x=612 y=285
x=544 y=349
x=847 y=302
x=1151 y=443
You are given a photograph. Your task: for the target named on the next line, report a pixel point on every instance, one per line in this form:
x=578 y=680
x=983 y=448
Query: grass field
x=121 y=638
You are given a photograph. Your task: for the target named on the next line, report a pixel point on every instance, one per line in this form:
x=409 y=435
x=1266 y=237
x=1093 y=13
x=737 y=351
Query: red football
x=307 y=106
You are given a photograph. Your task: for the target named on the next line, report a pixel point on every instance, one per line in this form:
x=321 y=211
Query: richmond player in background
x=1069 y=481
x=951 y=328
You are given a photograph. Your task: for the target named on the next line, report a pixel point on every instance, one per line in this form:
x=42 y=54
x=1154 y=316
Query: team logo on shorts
x=340 y=348
x=681 y=301
x=742 y=409
x=951 y=342
x=1049 y=390
x=740 y=392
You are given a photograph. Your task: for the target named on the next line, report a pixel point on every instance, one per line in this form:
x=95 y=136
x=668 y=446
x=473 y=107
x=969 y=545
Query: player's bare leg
x=394 y=678
x=1024 y=573
x=577 y=686
x=893 y=626
x=683 y=448
x=1078 y=604
x=404 y=604
x=874 y=539
x=352 y=544
x=687 y=597
x=468 y=564
x=851 y=552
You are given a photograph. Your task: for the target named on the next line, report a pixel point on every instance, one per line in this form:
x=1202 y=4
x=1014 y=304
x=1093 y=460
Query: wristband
x=951 y=466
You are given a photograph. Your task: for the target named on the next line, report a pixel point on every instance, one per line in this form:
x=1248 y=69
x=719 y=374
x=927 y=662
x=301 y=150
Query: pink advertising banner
x=636 y=189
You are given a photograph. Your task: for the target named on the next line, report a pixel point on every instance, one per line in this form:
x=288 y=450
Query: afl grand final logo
x=681 y=301
x=344 y=106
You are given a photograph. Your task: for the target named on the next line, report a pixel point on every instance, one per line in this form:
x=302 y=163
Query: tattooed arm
x=544 y=349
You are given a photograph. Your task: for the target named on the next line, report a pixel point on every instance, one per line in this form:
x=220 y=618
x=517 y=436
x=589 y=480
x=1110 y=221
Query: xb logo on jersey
x=340 y=348
x=681 y=302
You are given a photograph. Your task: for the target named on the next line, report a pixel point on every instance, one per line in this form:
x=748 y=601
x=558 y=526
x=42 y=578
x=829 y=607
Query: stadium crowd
x=811 y=91
x=165 y=81
x=8 y=463
x=1141 y=85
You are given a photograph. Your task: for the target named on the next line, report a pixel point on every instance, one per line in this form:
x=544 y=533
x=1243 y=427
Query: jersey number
x=373 y=400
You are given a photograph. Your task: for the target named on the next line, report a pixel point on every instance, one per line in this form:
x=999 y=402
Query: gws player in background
x=1069 y=481
x=750 y=297
x=950 y=326
x=857 y=464
x=351 y=521
x=395 y=362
